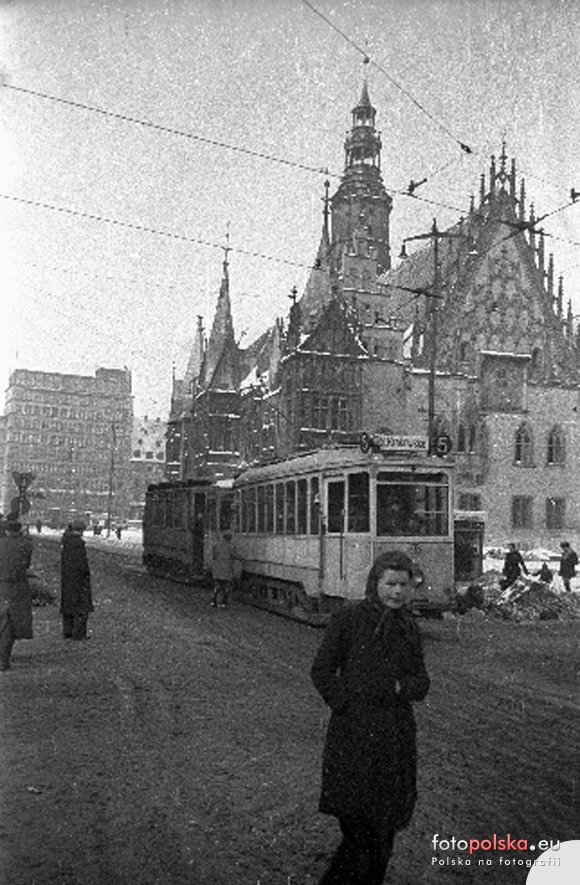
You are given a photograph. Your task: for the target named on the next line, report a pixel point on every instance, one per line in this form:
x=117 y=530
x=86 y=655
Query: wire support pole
x=111 y=479
x=435 y=295
x=433 y=350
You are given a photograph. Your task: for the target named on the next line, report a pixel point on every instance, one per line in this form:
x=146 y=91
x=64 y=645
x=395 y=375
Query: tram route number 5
x=442 y=445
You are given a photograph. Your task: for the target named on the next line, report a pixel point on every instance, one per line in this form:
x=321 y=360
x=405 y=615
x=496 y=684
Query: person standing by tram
x=222 y=570
x=369 y=670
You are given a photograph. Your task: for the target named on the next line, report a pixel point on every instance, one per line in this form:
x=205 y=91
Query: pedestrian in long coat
x=369 y=670
x=15 y=592
x=222 y=570
x=75 y=580
x=568 y=563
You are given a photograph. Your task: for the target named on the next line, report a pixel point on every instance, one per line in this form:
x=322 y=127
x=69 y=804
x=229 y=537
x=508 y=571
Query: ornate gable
x=497 y=289
x=336 y=333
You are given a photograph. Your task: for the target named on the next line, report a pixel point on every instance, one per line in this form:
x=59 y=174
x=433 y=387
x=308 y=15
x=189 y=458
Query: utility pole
x=111 y=479
x=435 y=236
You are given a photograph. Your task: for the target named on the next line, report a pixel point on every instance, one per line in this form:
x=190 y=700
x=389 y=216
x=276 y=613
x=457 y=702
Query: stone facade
x=147 y=463
x=73 y=432
x=483 y=357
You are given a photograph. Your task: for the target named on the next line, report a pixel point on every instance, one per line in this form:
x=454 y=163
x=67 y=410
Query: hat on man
x=78 y=525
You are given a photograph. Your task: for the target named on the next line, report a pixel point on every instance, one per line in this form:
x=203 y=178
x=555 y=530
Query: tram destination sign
x=387 y=442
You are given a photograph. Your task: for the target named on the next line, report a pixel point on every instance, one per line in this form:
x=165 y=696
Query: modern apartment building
x=73 y=432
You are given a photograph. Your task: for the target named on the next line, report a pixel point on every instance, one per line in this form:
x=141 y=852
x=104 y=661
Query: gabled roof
x=496 y=290
x=336 y=333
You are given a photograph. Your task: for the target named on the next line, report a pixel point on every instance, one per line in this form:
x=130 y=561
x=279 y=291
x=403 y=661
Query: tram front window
x=409 y=505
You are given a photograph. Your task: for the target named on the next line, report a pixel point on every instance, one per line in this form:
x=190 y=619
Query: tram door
x=197 y=526
x=347 y=543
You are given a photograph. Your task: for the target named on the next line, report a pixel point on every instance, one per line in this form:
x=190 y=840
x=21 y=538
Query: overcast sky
x=268 y=76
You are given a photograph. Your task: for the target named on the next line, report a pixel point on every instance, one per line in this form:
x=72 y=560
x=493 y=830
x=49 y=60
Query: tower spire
x=361 y=197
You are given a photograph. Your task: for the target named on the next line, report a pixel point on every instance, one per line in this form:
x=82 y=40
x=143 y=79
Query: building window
x=461 y=439
x=523 y=454
x=469 y=501
x=522 y=512
x=556 y=450
x=555 y=513
x=472 y=442
x=327 y=412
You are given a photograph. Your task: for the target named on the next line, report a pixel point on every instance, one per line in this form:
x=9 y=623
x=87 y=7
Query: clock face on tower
x=502 y=382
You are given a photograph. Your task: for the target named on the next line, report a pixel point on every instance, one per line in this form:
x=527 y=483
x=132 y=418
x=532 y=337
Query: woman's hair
x=392 y=559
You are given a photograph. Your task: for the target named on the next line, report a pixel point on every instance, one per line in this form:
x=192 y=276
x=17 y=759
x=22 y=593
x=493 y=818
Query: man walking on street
x=15 y=593
x=76 y=596
x=568 y=564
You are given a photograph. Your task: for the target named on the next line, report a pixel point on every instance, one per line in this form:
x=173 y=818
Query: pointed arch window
x=556 y=453
x=524 y=453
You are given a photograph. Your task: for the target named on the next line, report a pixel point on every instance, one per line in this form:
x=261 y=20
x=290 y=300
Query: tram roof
x=336 y=459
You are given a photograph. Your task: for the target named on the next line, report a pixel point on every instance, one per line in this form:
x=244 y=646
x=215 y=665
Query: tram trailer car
x=310 y=527
x=180 y=526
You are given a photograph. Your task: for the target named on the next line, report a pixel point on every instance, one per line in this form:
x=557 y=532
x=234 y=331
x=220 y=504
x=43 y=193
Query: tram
x=307 y=529
x=310 y=527
x=180 y=524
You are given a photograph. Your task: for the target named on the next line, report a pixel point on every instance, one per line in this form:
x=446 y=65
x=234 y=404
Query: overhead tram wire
x=368 y=60
x=408 y=192
x=518 y=228
x=319 y=170
x=103 y=112
x=142 y=228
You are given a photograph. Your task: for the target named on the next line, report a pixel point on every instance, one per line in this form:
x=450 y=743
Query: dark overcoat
x=369 y=761
x=75 y=576
x=513 y=566
x=15 y=591
x=568 y=563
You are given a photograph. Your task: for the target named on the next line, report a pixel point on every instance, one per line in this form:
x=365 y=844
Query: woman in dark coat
x=15 y=592
x=369 y=670
x=75 y=581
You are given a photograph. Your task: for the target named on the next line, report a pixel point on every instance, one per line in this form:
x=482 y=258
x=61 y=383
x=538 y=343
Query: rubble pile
x=528 y=599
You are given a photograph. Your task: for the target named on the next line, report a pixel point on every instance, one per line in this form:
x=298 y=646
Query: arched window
x=556 y=450
x=524 y=447
x=461 y=438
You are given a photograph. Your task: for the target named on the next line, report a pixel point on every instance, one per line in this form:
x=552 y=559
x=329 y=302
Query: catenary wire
x=368 y=60
x=203 y=139
x=142 y=228
x=126 y=118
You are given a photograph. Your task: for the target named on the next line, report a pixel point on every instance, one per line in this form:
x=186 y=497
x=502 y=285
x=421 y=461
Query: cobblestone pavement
x=182 y=744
